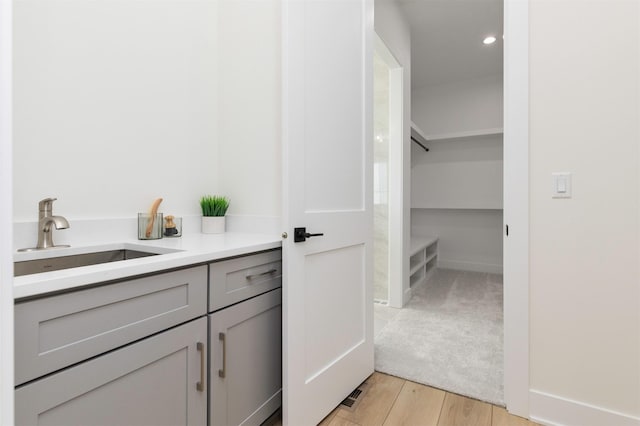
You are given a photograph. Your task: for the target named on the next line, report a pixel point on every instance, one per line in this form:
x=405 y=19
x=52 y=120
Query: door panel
x=340 y=273
x=327 y=138
x=330 y=155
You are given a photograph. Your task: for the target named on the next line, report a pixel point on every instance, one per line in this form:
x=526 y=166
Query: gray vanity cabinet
x=132 y=352
x=184 y=347
x=246 y=361
x=155 y=381
x=245 y=331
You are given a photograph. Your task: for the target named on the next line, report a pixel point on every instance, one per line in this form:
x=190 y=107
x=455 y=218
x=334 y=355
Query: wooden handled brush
x=152 y=214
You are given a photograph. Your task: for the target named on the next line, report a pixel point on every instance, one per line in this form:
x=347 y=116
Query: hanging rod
x=418 y=137
x=419 y=143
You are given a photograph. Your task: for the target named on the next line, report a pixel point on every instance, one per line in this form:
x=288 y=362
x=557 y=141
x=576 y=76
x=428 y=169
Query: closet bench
x=423 y=258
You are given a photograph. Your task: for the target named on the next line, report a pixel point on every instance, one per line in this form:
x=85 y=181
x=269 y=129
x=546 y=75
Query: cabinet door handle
x=270 y=271
x=200 y=384
x=222 y=338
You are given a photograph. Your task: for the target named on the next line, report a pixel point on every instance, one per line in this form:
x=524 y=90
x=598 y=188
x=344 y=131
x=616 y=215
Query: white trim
x=554 y=410
x=516 y=206
x=470 y=266
x=6 y=212
x=397 y=253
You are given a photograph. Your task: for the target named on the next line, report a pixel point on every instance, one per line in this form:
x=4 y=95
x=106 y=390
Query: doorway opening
x=450 y=334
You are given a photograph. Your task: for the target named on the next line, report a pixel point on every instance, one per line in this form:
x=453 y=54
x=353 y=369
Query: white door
x=327 y=137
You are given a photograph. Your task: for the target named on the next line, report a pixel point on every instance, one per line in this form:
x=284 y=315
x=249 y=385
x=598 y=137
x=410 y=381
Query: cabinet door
x=152 y=382
x=246 y=361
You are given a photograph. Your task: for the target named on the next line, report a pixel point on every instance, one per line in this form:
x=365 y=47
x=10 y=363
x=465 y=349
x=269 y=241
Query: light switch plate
x=561 y=185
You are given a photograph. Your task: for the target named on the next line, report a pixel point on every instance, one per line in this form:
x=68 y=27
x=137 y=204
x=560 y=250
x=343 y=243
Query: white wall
x=459 y=106
x=118 y=103
x=250 y=106
x=458 y=173
x=115 y=105
x=585 y=251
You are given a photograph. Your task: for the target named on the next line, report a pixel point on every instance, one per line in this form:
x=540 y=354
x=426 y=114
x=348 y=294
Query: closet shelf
x=422 y=263
x=465 y=134
x=423 y=258
x=416 y=268
x=458 y=208
x=418 y=137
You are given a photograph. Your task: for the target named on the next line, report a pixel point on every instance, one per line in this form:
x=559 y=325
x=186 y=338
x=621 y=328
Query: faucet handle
x=46 y=205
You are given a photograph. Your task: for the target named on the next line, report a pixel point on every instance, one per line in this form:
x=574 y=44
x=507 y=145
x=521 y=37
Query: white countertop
x=193 y=248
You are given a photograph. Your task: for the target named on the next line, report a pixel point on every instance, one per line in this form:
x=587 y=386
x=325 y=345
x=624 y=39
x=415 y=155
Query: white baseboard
x=553 y=410
x=469 y=266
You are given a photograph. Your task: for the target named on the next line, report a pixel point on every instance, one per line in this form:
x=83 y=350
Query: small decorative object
x=172 y=226
x=150 y=224
x=213 y=210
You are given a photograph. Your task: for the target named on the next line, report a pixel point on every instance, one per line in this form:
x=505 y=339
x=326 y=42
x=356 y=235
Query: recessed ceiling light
x=489 y=40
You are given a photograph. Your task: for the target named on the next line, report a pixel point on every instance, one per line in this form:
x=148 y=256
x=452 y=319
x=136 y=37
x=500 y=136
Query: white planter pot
x=213 y=224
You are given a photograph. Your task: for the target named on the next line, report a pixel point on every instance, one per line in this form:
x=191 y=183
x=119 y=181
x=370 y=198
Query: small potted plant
x=214 y=208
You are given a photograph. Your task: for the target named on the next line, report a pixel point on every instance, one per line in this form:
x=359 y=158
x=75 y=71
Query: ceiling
x=446 y=39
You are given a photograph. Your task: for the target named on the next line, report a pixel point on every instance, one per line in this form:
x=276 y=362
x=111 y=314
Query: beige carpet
x=448 y=336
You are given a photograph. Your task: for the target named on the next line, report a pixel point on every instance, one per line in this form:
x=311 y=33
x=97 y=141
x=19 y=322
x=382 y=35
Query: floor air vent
x=351 y=402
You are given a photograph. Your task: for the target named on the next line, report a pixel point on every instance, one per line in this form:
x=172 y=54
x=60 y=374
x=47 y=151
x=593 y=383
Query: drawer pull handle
x=200 y=384
x=222 y=338
x=269 y=272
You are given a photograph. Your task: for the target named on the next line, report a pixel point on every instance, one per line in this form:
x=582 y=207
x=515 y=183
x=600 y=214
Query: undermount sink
x=48 y=264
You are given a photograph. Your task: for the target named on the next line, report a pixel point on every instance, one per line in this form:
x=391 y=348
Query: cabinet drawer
x=57 y=331
x=152 y=382
x=232 y=281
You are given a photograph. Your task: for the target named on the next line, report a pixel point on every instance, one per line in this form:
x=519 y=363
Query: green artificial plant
x=214 y=205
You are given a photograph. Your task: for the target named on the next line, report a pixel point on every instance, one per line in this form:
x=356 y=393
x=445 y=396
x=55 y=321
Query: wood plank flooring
x=391 y=401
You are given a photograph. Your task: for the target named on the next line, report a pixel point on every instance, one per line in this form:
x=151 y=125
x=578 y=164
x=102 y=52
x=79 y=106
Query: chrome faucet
x=45 y=220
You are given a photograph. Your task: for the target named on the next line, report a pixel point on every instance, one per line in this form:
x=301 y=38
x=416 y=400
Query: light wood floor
x=391 y=401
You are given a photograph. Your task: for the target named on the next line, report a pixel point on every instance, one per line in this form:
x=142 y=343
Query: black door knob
x=301 y=235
